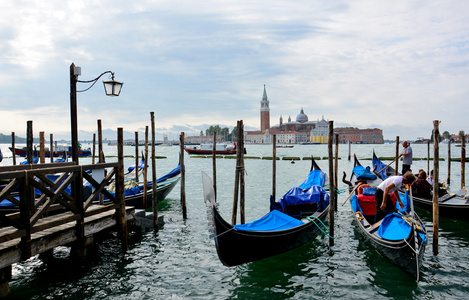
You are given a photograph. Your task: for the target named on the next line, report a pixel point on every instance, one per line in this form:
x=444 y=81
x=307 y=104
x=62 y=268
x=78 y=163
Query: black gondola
x=450 y=205
x=400 y=236
x=295 y=226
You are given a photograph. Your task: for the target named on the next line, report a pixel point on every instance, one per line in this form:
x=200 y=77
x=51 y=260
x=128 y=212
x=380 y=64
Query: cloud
x=397 y=65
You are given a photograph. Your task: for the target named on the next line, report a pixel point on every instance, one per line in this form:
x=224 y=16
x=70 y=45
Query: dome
x=302 y=117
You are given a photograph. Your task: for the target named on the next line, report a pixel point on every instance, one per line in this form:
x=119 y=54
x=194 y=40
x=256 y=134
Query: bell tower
x=265 y=112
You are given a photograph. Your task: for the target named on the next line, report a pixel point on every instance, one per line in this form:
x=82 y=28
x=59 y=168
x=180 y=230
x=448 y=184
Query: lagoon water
x=180 y=262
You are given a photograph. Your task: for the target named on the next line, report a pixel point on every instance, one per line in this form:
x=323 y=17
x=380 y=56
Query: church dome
x=302 y=117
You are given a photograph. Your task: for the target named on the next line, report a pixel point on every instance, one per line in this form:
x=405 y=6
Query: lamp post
x=111 y=87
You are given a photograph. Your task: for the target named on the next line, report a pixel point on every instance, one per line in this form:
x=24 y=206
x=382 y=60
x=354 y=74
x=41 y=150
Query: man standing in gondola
x=407 y=160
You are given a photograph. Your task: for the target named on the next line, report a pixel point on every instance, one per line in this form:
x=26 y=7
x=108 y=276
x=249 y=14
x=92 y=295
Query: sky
x=394 y=65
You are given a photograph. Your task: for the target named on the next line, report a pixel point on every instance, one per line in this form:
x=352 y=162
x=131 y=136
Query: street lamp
x=111 y=87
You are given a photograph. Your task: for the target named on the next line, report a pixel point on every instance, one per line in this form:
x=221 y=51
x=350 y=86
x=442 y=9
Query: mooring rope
x=311 y=219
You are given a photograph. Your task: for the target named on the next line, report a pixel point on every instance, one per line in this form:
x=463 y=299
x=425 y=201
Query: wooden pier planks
x=98 y=218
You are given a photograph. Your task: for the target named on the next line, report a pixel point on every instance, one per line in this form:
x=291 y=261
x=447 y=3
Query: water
x=181 y=262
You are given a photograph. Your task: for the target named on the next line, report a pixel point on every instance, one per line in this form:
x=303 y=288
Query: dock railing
x=44 y=201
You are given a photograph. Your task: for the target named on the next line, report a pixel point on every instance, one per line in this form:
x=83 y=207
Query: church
x=290 y=132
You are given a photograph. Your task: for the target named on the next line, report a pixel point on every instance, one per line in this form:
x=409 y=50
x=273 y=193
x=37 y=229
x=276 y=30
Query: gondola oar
x=351 y=193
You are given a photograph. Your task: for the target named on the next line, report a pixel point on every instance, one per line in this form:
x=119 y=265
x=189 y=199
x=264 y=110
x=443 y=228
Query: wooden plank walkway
x=97 y=218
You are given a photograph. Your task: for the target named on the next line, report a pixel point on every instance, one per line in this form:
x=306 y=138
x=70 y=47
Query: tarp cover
x=315 y=177
x=394 y=228
x=379 y=167
x=364 y=173
x=314 y=194
x=273 y=221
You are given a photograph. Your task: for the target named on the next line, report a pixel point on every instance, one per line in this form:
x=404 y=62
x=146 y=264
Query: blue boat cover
x=355 y=205
x=141 y=165
x=364 y=173
x=273 y=221
x=394 y=227
x=315 y=177
x=379 y=166
x=314 y=194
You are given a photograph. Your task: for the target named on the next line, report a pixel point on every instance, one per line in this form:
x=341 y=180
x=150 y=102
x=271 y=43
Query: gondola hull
x=401 y=252
x=238 y=247
x=161 y=193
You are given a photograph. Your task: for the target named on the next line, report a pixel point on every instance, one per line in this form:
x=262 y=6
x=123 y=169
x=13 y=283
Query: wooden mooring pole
x=41 y=148
x=349 y=150
x=145 y=170
x=463 y=162
x=239 y=175
x=153 y=170
x=448 y=179
x=13 y=147
x=331 y=183
x=183 y=176
x=136 y=157
x=397 y=156
x=274 y=165
x=428 y=158
x=51 y=149
x=121 y=214
x=214 y=163
x=436 y=187
x=94 y=148
x=336 y=168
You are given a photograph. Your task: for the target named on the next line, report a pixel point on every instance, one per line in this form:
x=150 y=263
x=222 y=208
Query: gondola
x=292 y=222
x=134 y=192
x=450 y=205
x=401 y=236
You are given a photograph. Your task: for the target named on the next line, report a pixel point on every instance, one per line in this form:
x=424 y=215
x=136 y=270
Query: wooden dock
x=52 y=209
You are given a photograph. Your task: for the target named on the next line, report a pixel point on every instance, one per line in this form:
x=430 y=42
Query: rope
x=311 y=219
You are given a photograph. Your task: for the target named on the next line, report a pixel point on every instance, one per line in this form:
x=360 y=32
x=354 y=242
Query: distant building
x=302 y=130
x=359 y=136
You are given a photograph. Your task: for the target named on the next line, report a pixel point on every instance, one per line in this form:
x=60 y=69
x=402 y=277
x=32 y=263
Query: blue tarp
x=275 y=220
x=355 y=205
x=364 y=173
x=379 y=166
x=394 y=227
x=314 y=194
x=315 y=177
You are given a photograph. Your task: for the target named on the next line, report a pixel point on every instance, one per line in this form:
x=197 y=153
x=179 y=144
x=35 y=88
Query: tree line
x=221 y=132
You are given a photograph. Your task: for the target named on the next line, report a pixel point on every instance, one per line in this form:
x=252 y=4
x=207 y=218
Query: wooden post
x=237 y=177
x=397 y=156
x=29 y=142
x=94 y=148
x=51 y=149
x=428 y=158
x=349 y=150
x=214 y=163
x=100 y=142
x=153 y=171
x=145 y=171
x=274 y=165
x=436 y=188
x=463 y=161
x=73 y=113
x=136 y=157
x=183 y=177
x=13 y=147
x=241 y=171
x=121 y=214
x=331 y=183
x=41 y=147
x=336 y=169
x=449 y=163
x=26 y=193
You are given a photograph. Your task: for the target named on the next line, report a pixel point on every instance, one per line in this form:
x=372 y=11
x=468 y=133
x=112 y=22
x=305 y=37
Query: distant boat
x=58 y=151
x=208 y=149
x=284 y=146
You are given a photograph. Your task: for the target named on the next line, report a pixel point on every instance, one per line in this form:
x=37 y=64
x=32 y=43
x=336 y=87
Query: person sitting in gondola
x=421 y=188
x=384 y=202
